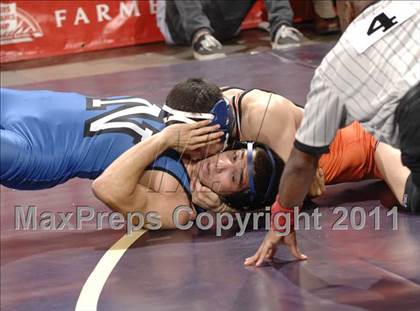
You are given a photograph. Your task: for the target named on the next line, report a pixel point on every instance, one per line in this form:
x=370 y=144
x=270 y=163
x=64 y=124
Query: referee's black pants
x=408 y=120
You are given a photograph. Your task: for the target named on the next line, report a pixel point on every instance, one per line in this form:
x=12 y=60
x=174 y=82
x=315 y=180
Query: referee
x=373 y=65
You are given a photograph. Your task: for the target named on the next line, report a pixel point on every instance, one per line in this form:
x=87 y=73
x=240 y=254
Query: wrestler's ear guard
x=221 y=113
x=223 y=116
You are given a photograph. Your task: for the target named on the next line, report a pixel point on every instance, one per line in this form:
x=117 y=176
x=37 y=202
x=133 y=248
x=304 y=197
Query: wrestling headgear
x=251 y=199
x=221 y=114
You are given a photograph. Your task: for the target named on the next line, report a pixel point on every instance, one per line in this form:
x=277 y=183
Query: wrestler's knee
x=411 y=198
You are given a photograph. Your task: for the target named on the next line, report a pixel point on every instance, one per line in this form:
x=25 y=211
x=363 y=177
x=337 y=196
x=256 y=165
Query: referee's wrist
x=282 y=218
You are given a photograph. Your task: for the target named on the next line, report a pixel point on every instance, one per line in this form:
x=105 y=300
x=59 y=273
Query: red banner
x=35 y=29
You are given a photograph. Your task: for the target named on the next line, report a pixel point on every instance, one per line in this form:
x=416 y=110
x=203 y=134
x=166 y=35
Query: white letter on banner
x=59 y=18
x=81 y=15
x=127 y=9
x=102 y=12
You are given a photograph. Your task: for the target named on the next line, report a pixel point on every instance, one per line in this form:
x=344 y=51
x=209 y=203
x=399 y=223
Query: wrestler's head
x=246 y=177
x=194 y=100
x=348 y=10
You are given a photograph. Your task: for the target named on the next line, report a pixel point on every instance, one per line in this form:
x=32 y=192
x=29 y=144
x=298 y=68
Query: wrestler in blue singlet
x=49 y=137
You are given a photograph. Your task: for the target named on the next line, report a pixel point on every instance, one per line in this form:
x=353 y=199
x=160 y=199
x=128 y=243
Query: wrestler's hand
x=183 y=137
x=207 y=199
x=318 y=185
x=203 y=196
x=269 y=246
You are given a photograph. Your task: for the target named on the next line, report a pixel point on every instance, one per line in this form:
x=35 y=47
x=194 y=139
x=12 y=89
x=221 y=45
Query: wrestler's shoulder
x=230 y=92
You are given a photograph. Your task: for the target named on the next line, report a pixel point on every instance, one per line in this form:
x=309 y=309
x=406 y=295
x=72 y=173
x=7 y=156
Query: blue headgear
x=249 y=199
x=221 y=114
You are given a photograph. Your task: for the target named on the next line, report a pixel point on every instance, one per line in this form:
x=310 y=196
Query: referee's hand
x=269 y=246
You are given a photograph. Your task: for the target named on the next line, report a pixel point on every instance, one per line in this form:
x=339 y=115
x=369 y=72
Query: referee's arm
x=324 y=115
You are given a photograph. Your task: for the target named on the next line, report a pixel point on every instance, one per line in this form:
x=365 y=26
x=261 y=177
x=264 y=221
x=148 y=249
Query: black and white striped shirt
x=375 y=62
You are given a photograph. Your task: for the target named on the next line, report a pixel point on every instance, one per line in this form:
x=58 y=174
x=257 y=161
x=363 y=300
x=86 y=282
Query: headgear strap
x=183 y=116
x=273 y=175
x=250 y=149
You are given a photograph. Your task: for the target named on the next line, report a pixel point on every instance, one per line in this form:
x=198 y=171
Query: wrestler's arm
x=275 y=124
x=118 y=185
x=270 y=113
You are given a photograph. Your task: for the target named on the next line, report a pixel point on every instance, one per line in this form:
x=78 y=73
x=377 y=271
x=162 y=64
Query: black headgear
x=250 y=199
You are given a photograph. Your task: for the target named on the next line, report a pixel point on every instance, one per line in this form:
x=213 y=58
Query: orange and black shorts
x=351 y=157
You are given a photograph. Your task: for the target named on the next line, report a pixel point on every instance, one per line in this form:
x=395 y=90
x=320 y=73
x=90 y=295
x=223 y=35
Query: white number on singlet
x=122 y=119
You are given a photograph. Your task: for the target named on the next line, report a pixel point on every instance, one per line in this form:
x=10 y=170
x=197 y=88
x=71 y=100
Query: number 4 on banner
x=384 y=22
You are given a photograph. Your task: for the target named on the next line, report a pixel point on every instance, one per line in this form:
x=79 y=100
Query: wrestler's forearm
x=122 y=176
x=297 y=178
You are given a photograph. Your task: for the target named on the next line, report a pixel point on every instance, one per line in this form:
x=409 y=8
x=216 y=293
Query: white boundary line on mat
x=89 y=295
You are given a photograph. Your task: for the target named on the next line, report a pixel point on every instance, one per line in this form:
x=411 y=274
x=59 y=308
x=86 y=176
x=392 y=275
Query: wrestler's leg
x=14 y=155
x=395 y=174
x=351 y=156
